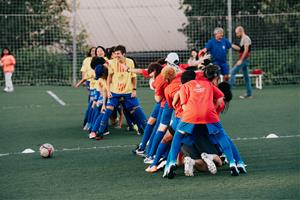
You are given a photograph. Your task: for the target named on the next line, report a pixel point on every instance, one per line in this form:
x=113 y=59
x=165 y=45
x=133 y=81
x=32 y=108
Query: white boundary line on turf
x=132 y=145
x=260 y=138
x=61 y=102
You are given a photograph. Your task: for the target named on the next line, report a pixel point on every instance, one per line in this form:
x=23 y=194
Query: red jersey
x=199 y=96
x=159 y=85
x=220 y=108
x=199 y=75
x=170 y=92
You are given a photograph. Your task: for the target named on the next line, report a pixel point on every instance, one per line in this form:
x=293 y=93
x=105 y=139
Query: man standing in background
x=218 y=48
x=243 y=62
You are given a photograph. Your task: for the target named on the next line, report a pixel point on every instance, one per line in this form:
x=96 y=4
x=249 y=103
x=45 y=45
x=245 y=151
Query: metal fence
x=49 y=49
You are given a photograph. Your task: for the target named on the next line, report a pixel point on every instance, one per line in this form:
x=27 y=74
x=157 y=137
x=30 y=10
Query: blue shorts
x=175 y=122
x=129 y=102
x=166 y=115
x=185 y=127
x=214 y=129
x=188 y=128
x=96 y=95
x=224 y=68
x=92 y=92
x=155 y=110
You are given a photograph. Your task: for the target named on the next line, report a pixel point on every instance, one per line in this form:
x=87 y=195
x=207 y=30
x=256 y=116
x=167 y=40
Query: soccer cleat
x=189 y=166
x=172 y=171
x=86 y=127
x=99 y=137
x=208 y=159
x=162 y=164
x=8 y=90
x=138 y=151
x=242 y=168
x=169 y=171
x=246 y=97
x=151 y=169
x=106 y=133
x=148 y=160
x=234 y=170
x=135 y=128
x=224 y=159
x=92 y=135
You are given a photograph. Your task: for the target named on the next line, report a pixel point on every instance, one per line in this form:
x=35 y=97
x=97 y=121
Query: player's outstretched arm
x=80 y=82
x=235 y=47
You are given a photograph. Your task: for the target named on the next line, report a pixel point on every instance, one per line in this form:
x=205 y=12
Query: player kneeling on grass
x=193 y=95
x=219 y=137
x=121 y=83
x=202 y=154
x=217 y=134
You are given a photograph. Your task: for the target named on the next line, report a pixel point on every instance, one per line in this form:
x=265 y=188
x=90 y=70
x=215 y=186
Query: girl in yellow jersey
x=101 y=76
x=121 y=84
x=86 y=65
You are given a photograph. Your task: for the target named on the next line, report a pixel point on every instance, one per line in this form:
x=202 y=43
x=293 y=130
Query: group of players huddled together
x=184 y=127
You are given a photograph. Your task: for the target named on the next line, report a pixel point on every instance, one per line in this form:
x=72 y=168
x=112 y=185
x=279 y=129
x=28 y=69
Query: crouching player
x=194 y=94
x=101 y=76
x=174 y=82
x=172 y=60
x=121 y=83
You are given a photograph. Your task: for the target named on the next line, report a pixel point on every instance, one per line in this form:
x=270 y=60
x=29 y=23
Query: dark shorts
x=201 y=144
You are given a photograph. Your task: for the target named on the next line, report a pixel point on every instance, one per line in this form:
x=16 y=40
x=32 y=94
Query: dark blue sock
x=104 y=121
x=225 y=145
x=235 y=151
x=167 y=152
x=86 y=115
x=161 y=150
x=152 y=138
x=157 y=139
x=154 y=131
x=175 y=147
x=128 y=117
x=140 y=117
x=146 y=136
x=95 y=115
x=96 y=125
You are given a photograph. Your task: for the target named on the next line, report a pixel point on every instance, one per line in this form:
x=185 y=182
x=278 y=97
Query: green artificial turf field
x=108 y=170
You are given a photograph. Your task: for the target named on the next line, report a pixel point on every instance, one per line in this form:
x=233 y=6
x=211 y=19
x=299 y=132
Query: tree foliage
x=205 y=15
x=33 y=23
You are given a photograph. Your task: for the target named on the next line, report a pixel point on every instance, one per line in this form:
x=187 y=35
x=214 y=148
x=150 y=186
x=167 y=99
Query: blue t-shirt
x=218 y=49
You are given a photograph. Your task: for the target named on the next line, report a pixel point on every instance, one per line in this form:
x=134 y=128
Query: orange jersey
x=170 y=92
x=198 y=97
x=8 y=63
x=159 y=85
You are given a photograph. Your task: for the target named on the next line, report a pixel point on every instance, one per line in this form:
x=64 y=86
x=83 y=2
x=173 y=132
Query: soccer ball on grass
x=46 y=150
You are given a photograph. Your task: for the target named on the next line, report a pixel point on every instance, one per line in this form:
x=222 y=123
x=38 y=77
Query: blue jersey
x=218 y=49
